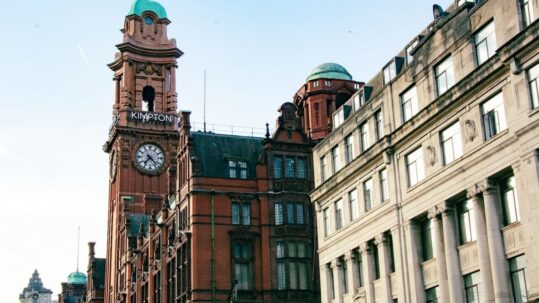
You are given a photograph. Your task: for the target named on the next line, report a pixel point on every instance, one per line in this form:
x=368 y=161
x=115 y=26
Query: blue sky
x=57 y=95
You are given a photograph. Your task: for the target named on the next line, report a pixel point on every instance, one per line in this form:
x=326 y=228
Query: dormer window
x=392 y=69
x=409 y=57
x=148 y=97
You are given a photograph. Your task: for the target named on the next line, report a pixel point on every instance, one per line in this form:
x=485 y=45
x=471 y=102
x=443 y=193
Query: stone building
x=34 y=292
x=427 y=190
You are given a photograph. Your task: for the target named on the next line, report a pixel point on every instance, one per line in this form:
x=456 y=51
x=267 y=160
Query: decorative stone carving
x=433 y=213
x=149 y=69
x=360 y=297
x=473 y=192
x=470 y=131
x=445 y=208
x=431 y=155
x=487 y=187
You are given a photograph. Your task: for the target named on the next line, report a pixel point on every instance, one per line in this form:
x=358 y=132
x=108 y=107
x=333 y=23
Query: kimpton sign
x=148 y=117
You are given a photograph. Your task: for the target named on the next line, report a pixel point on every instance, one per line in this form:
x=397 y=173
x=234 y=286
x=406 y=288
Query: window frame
x=368 y=194
x=427 y=245
x=353 y=204
x=364 y=141
x=390 y=72
x=384 y=185
x=298 y=170
x=510 y=209
x=466 y=222
x=349 y=148
x=339 y=214
x=453 y=141
x=533 y=85
x=472 y=282
x=418 y=164
x=335 y=159
x=379 y=124
x=326 y=220
x=242 y=260
x=293 y=209
x=488 y=41
x=526 y=12
x=449 y=76
x=242 y=218
x=235 y=165
x=407 y=98
x=517 y=270
x=494 y=121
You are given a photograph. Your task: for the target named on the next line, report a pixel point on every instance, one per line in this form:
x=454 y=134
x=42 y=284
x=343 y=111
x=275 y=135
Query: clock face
x=148 y=20
x=150 y=158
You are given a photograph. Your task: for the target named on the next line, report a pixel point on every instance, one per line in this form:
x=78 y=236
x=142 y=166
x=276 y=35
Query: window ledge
x=467 y=244
x=533 y=111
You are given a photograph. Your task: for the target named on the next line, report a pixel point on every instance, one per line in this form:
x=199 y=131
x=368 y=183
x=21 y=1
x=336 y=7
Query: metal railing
x=229 y=129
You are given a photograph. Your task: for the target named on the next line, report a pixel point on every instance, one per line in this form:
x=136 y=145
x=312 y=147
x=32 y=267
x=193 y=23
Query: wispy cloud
x=83 y=54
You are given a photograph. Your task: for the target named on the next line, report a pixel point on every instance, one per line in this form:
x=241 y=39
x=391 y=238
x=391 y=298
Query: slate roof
x=35 y=284
x=215 y=150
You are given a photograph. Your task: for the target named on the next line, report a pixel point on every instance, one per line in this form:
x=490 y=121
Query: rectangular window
x=328 y=83
x=352 y=202
x=471 y=286
x=415 y=167
x=533 y=76
x=379 y=124
x=466 y=220
x=368 y=194
x=277 y=167
x=241 y=213
x=445 y=76
x=493 y=115
x=451 y=143
x=384 y=185
x=349 y=149
x=241 y=252
x=281 y=275
x=326 y=221
x=409 y=104
x=302 y=168
x=485 y=43
x=426 y=240
x=315 y=84
x=290 y=165
x=359 y=100
x=376 y=257
x=338 y=215
x=391 y=252
x=323 y=168
x=295 y=213
x=409 y=57
x=344 y=274
x=511 y=213
x=335 y=160
x=237 y=169
x=364 y=136
x=526 y=11
x=390 y=72
x=517 y=267
x=433 y=294
x=279 y=214
x=235 y=213
x=359 y=267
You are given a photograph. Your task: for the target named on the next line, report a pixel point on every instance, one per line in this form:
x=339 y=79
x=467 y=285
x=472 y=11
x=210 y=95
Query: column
x=366 y=255
x=381 y=242
x=439 y=253
x=482 y=246
x=328 y=283
x=399 y=259
x=353 y=273
x=454 y=276
x=416 y=287
x=337 y=280
x=498 y=261
x=527 y=178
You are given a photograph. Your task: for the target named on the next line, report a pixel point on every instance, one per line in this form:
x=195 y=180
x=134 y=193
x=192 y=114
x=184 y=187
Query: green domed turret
x=141 y=6
x=76 y=278
x=330 y=71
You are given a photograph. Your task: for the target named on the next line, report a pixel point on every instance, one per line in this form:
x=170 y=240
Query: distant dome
x=141 y=6
x=329 y=71
x=76 y=278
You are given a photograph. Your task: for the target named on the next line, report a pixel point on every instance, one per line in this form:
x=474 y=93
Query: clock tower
x=143 y=137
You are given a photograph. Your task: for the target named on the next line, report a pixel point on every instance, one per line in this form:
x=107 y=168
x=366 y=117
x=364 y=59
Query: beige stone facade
x=428 y=191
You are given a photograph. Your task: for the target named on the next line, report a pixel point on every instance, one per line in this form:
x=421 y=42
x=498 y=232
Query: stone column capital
x=473 y=192
x=445 y=208
x=349 y=256
x=394 y=230
x=380 y=239
x=488 y=187
x=365 y=248
x=334 y=264
x=409 y=225
x=433 y=213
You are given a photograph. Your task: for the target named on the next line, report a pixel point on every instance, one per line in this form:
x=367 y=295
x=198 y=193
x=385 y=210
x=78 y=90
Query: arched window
x=148 y=96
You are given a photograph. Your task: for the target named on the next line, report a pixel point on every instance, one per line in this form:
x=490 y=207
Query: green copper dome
x=141 y=6
x=76 y=278
x=329 y=71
